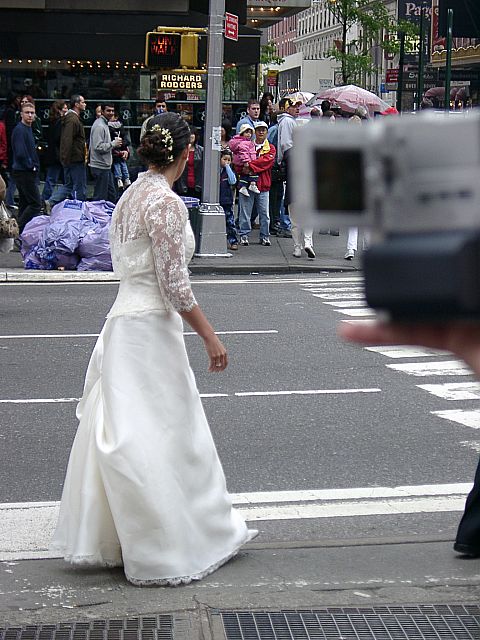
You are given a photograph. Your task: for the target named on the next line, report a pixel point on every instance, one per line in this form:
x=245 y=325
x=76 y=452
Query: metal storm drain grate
x=159 y=627
x=423 y=622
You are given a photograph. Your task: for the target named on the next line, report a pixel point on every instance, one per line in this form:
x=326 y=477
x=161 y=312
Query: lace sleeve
x=165 y=220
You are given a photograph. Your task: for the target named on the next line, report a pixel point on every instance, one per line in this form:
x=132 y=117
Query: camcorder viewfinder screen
x=339 y=180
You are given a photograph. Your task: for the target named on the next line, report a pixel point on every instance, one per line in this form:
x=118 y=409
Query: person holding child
x=244 y=152
x=258 y=202
x=227 y=180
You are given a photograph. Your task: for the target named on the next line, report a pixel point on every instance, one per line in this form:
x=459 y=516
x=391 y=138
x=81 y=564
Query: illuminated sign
x=180 y=81
x=162 y=50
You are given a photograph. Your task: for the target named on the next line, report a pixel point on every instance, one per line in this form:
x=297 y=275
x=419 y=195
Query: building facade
x=52 y=49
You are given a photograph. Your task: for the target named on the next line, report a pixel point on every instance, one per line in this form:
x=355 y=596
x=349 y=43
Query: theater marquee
x=181 y=81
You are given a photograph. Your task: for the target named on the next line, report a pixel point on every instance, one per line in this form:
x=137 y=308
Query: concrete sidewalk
x=268 y=576
x=252 y=259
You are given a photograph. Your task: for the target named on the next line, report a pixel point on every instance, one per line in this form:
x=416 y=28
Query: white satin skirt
x=144 y=486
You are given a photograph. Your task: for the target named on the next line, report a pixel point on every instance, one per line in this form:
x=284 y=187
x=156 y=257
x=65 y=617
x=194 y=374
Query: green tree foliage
x=269 y=54
x=375 y=26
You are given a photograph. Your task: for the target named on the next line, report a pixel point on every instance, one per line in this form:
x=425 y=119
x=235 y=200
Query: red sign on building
x=231 y=26
x=391 y=75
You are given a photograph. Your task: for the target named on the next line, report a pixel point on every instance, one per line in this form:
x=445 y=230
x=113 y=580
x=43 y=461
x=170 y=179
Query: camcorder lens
x=339 y=180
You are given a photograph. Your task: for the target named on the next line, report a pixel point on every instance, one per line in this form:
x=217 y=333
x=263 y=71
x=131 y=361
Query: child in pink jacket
x=244 y=151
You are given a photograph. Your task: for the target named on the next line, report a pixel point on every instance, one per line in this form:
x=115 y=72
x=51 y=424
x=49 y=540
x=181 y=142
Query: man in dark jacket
x=72 y=153
x=25 y=166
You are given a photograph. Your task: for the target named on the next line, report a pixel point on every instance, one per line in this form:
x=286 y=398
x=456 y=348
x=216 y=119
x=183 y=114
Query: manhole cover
x=159 y=627
x=422 y=622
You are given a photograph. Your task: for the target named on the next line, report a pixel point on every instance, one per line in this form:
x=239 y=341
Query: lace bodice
x=151 y=242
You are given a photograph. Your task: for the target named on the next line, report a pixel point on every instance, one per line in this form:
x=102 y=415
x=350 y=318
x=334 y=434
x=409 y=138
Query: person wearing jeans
x=245 y=208
x=266 y=153
x=26 y=166
x=101 y=145
x=72 y=154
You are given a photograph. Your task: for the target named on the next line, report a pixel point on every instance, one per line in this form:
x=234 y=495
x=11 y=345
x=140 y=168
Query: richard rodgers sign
x=175 y=81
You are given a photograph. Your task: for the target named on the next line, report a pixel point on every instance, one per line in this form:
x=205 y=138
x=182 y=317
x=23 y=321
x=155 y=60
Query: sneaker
x=284 y=233
x=244 y=241
x=233 y=246
x=255 y=225
x=253 y=187
x=349 y=255
x=310 y=252
x=119 y=183
x=265 y=242
x=297 y=252
x=244 y=191
x=127 y=182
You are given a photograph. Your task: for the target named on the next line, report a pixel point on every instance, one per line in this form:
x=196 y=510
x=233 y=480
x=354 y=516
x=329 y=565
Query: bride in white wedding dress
x=144 y=486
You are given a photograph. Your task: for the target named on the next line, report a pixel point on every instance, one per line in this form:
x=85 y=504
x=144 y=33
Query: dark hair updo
x=167 y=136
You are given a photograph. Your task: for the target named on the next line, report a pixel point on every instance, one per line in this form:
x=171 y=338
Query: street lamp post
x=211 y=232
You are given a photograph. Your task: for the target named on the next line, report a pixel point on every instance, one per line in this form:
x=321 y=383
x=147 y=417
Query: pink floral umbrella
x=349 y=97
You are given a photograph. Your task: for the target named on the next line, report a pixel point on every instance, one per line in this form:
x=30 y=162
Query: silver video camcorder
x=415 y=182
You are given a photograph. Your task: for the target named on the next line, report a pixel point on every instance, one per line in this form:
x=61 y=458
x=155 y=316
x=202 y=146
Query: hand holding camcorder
x=415 y=182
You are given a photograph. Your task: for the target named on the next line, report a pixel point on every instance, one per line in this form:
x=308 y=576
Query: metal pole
x=401 y=64
x=421 y=59
x=448 y=67
x=210 y=233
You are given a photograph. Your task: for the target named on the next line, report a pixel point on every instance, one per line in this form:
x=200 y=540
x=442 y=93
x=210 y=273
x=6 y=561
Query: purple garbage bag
x=68 y=210
x=32 y=261
x=32 y=233
x=59 y=242
x=94 y=249
x=99 y=211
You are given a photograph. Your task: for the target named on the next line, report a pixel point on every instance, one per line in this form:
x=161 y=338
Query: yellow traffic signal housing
x=189 y=50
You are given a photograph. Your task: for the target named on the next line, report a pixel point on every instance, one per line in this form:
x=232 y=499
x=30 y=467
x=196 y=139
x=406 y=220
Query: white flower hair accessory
x=167 y=139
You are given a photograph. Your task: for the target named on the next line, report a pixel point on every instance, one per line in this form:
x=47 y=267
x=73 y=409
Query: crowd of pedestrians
x=253 y=167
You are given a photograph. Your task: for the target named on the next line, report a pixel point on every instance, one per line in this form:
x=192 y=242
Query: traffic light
x=172 y=48
x=189 y=50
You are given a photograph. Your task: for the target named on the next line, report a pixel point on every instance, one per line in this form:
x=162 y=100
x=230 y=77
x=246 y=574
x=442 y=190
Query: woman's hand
x=461 y=338
x=217 y=354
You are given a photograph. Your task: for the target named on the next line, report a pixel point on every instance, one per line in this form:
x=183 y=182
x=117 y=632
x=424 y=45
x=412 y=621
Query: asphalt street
x=297 y=410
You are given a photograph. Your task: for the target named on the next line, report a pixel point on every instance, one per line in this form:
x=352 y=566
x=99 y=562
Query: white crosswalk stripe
x=26 y=528
x=340 y=296
x=423 y=369
x=346 y=303
x=454 y=390
x=348 y=299
x=468 y=418
x=334 y=289
x=400 y=351
x=365 y=312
